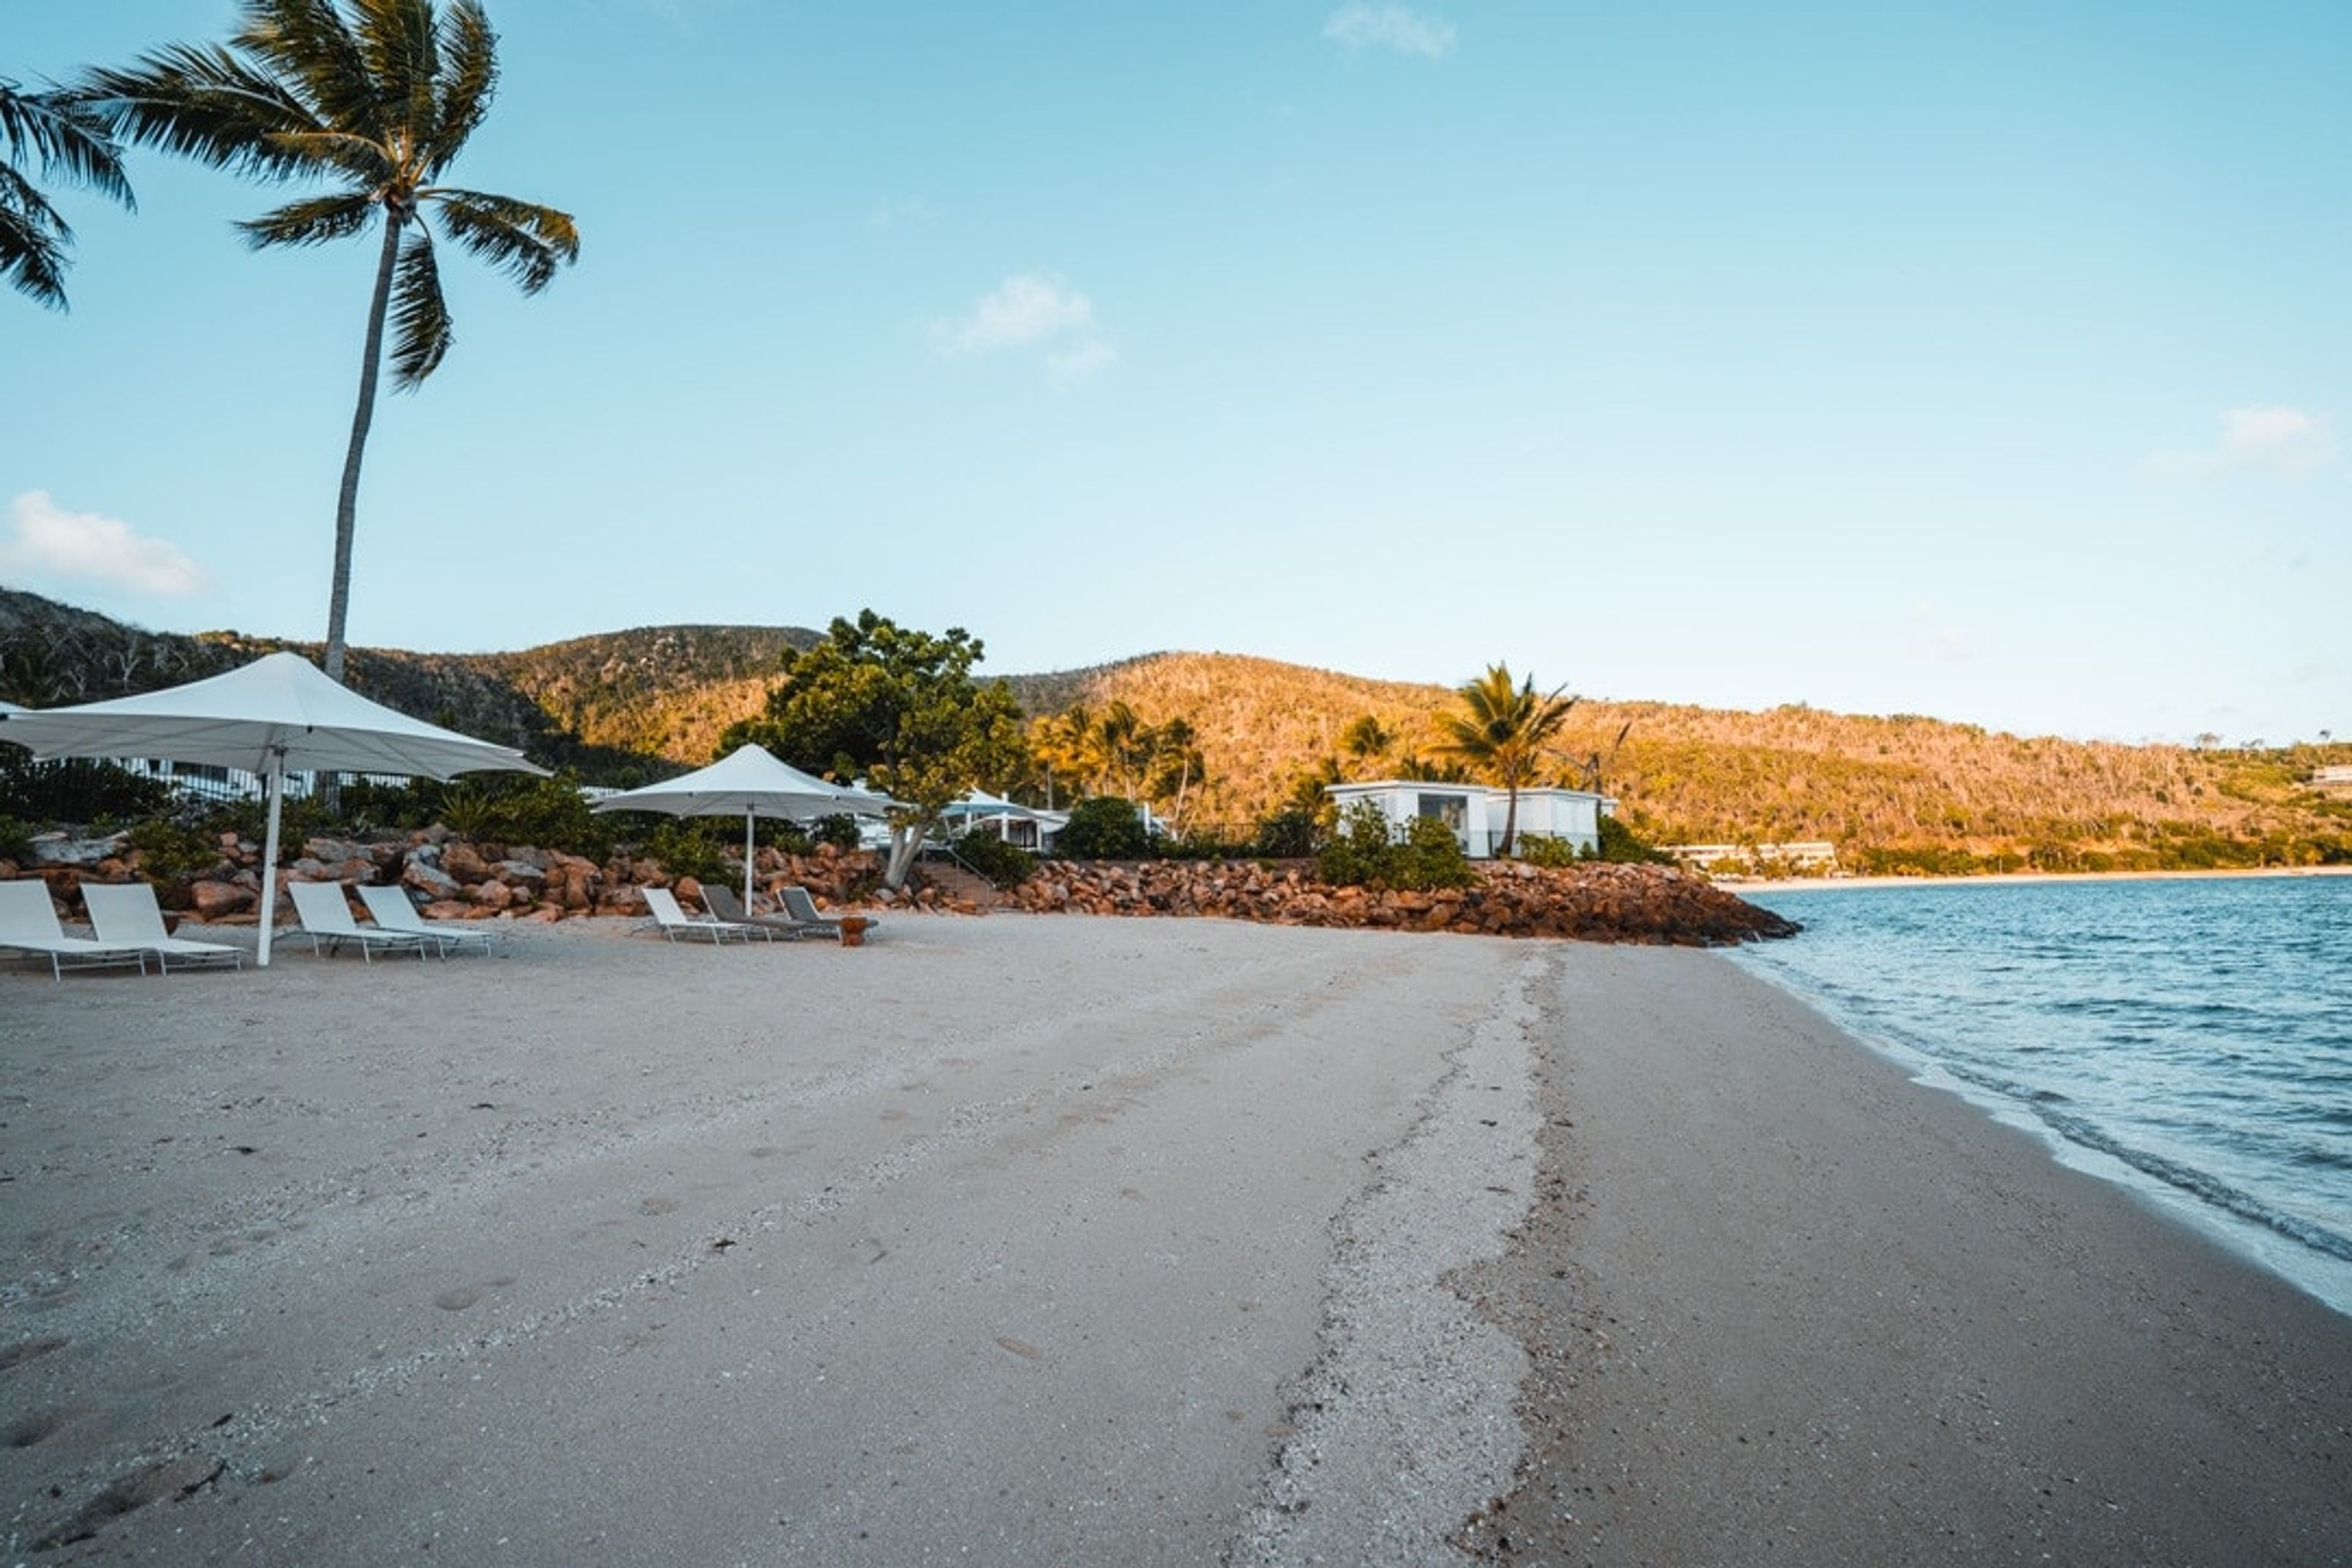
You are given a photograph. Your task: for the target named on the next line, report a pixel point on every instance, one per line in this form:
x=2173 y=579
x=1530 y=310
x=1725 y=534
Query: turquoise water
x=2190 y=1037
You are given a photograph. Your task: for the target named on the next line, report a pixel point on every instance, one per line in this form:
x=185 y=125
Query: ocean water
x=2191 y=1038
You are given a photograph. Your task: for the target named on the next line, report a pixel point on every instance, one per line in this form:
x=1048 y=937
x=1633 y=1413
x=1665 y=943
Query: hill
x=1893 y=793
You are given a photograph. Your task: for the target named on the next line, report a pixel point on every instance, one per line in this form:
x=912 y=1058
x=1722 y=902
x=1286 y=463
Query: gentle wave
x=2195 y=1032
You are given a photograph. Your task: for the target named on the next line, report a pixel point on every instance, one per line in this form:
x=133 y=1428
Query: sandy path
x=997 y=1241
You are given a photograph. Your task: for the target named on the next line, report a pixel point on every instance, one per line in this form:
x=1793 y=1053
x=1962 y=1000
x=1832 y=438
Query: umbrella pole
x=269 y=853
x=747 y=863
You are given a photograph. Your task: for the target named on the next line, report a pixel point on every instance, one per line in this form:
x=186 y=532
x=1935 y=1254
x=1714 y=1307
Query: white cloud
x=2277 y=441
x=44 y=537
x=1032 y=311
x=1360 y=25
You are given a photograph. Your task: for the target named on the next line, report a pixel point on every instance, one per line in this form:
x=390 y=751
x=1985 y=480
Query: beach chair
x=395 y=910
x=326 y=919
x=126 y=914
x=802 y=908
x=676 y=923
x=722 y=903
x=29 y=925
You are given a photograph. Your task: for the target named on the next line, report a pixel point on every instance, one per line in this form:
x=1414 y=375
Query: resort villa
x=1476 y=812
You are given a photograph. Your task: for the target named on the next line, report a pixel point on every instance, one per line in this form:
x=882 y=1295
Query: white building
x=1475 y=812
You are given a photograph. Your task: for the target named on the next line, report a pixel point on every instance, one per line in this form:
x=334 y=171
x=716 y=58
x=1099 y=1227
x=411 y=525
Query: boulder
x=210 y=901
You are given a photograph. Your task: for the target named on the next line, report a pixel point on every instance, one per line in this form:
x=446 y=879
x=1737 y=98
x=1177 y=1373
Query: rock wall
x=1591 y=903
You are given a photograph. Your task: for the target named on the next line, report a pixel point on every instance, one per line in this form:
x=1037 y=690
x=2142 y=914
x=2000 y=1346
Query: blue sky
x=1989 y=361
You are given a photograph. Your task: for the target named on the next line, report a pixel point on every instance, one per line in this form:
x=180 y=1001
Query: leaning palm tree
x=1503 y=733
x=375 y=100
x=64 y=137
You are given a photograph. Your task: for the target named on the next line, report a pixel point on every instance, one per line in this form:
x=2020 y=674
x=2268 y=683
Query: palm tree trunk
x=1510 y=819
x=339 y=595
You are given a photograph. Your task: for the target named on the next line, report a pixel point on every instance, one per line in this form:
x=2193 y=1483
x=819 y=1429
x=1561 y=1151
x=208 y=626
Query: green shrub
x=687 y=847
x=170 y=853
x=1104 y=828
x=840 y=830
x=76 y=790
x=544 y=812
x=1622 y=844
x=15 y=840
x=1006 y=865
x=1289 y=834
x=1365 y=852
x=1543 y=849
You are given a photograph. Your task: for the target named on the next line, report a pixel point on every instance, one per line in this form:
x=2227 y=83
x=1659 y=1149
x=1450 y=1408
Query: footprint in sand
x=658 y=1205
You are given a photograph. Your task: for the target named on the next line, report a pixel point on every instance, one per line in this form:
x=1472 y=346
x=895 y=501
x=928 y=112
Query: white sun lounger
x=395 y=910
x=28 y=924
x=128 y=915
x=675 y=922
x=327 y=917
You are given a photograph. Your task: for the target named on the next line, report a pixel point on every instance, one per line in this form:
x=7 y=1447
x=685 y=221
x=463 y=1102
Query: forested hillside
x=1900 y=793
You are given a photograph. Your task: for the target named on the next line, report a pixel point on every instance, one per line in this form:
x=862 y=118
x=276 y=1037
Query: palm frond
x=403 y=57
x=314 y=220
x=366 y=163
x=524 y=240
x=308 y=46
x=469 y=75
x=68 y=136
x=33 y=241
x=420 y=314
x=205 y=102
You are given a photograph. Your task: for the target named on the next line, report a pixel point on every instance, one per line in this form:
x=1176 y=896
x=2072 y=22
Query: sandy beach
x=1055 y=1239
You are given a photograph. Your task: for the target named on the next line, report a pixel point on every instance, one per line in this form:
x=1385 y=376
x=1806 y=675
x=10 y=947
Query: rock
x=210 y=901
x=493 y=896
x=462 y=862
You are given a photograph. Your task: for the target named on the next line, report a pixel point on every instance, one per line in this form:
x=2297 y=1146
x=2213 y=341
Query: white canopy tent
x=275 y=716
x=754 y=781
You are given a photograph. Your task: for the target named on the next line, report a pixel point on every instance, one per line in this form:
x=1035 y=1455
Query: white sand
x=1052 y=1240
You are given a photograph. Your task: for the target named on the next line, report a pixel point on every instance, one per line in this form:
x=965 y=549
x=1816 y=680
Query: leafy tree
x=1365 y=739
x=1504 y=733
x=376 y=100
x=899 y=707
x=67 y=137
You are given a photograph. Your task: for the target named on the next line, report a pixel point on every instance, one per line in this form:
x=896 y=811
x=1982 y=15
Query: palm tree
x=376 y=103
x=65 y=137
x=1504 y=734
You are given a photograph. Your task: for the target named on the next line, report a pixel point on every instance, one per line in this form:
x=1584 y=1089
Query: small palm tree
x=1503 y=733
x=376 y=103
x=64 y=137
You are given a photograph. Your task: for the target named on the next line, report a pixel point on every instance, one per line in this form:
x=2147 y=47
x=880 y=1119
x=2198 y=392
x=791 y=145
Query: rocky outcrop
x=1591 y=903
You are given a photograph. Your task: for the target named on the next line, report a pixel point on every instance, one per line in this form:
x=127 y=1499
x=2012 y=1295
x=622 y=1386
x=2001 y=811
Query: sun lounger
x=722 y=903
x=676 y=923
x=28 y=924
x=802 y=908
x=326 y=918
x=395 y=910
x=127 y=915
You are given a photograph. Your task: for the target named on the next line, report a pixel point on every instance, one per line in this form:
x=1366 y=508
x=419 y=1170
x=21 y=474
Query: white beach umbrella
x=754 y=781
x=277 y=715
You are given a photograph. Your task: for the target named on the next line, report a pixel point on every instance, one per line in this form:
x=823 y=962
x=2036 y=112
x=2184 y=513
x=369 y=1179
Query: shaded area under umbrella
x=277 y=715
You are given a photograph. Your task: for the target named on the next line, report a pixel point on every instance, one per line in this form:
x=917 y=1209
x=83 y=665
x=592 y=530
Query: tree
x=376 y=103
x=64 y=137
x=899 y=707
x=1504 y=733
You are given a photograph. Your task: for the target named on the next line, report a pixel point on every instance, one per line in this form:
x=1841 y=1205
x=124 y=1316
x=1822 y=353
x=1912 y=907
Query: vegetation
x=1006 y=865
x=1104 y=828
x=1899 y=795
x=1506 y=732
x=375 y=104
x=899 y=707
x=65 y=138
x=1366 y=852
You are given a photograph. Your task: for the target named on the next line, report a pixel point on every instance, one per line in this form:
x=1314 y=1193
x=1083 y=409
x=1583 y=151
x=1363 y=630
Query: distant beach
x=1023 y=1239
